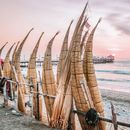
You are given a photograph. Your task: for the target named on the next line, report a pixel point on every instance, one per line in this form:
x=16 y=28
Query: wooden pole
x=38 y=117
x=114 y=118
x=104 y=119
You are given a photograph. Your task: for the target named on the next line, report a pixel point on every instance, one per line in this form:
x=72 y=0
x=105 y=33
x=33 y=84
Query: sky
x=49 y=16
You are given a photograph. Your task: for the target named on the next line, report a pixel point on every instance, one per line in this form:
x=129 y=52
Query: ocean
x=113 y=76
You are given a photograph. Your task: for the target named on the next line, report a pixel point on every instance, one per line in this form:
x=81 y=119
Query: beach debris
x=16 y=113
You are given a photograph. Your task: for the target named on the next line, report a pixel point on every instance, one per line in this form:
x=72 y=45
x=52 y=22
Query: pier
x=96 y=60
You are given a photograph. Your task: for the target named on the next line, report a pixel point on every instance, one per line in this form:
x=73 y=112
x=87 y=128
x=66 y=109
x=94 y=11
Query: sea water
x=114 y=76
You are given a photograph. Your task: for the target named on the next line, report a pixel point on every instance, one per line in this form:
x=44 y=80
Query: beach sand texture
x=120 y=101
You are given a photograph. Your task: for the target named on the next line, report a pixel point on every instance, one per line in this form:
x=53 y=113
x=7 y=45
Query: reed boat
x=1 y=69
x=48 y=80
x=14 y=53
x=7 y=65
x=32 y=79
x=21 y=87
x=65 y=78
x=89 y=72
x=83 y=101
x=63 y=53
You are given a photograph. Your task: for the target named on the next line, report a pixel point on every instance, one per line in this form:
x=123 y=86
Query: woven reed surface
x=48 y=80
x=32 y=78
x=89 y=71
x=63 y=53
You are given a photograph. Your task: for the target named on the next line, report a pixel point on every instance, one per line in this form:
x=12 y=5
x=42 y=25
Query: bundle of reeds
x=63 y=53
x=83 y=42
x=32 y=78
x=13 y=75
x=89 y=72
x=21 y=87
x=66 y=109
x=2 y=48
x=82 y=97
x=7 y=66
x=48 y=80
x=14 y=53
x=64 y=79
x=17 y=61
x=1 y=69
x=80 y=31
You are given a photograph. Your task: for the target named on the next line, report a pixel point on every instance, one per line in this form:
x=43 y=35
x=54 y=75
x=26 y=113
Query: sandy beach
x=120 y=100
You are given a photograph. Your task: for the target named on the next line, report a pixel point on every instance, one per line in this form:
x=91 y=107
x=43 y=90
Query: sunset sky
x=50 y=16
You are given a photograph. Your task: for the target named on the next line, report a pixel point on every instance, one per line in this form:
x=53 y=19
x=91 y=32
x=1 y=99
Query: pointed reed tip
x=42 y=33
x=31 y=29
x=86 y=4
x=57 y=33
x=99 y=20
x=72 y=21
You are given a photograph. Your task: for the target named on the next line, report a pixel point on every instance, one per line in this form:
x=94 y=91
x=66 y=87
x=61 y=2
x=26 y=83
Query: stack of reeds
x=1 y=69
x=21 y=87
x=32 y=78
x=82 y=100
x=1 y=49
x=48 y=79
x=14 y=75
x=83 y=42
x=14 y=53
x=65 y=78
x=7 y=65
x=63 y=53
x=89 y=72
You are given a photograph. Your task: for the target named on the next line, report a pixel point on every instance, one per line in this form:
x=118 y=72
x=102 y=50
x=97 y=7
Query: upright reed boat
x=89 y=72
x=1 y=69
x=32 y=78
x=48 y=79
x=22 y=87
x=63 y=53
x=7 y=65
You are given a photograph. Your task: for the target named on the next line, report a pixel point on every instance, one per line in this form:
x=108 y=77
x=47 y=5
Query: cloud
x=114 y=49
x=120 y=22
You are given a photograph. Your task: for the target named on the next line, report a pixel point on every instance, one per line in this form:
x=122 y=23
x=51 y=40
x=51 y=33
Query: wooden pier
x=100 y=60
